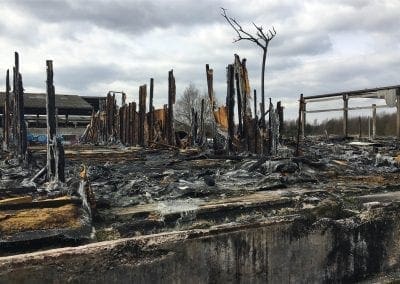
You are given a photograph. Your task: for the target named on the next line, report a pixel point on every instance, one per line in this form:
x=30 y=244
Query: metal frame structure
x=374 y=93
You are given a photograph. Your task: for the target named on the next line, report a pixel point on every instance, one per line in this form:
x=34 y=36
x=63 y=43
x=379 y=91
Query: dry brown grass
x=39 y=219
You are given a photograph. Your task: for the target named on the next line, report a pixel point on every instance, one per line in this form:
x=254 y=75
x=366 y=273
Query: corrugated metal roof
x=38 y=101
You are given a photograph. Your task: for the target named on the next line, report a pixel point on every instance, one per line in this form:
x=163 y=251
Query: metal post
x=345 y=114
x=303 y=117
x=374 y=121
x=398 y=113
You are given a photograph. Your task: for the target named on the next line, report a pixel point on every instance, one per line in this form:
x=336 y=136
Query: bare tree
x=191 y=98
x=261 y=39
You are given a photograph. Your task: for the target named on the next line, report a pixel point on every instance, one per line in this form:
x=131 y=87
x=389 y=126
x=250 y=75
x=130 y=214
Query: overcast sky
x=97 y=46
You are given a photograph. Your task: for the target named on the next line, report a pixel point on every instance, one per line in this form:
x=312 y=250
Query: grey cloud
x=82 y=76
x=126 y=16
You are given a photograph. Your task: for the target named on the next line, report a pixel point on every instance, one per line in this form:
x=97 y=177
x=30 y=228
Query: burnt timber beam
x=51 y=121
x=230 y=103
x=301 y=102
x=142 y=113
x=398 y=112
x=171 y=102
x=151 y=112
x=255 y=123
x=6 y=124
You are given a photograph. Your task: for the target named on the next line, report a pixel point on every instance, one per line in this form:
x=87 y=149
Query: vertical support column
x=398 y=113
x=239 y=102
x=303 y=117
x=202 y=123
x=51 y=121
x=279 y=109
x=6 y=124
x=255 y=123
x=134 y=125
x=299 y=124
x=22 y=133
x=171 y=102
x=210 y=90
x=359 y=128
x=369 y=128
x=151 y=112
x=142 y=113
x=230 y=103
x=165 y=124
x=345 y=114
x=374 y=121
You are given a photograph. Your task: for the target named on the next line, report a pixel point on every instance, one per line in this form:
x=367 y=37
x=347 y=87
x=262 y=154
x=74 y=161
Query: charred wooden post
x=230 y=103
x=113 y=108
x=193 y=127
x=202 y=131
x=13 y=101
x=271 y=137
x=151 y=113
x=51 y=122
x=121 y=124
x=126 y=123
x=345 y=114
x=171 y=102
x=255 y=123
x=239 y=104
x=142 y=113
x=299 y=124
x=374 y=121
x=398 y=113
x=303 y=119
x=21 y=133
x=134 y=125
x=129 y=125
x=239 y=93
x=279 y=110
x=359 y=128
x=60 y=161
x=164 y=125
x=210 y=88
x=210 y=91
x=6 y=124
x=246 y=110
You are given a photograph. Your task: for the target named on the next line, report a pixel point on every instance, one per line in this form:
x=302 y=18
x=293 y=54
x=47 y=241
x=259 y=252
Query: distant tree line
x=385 y=126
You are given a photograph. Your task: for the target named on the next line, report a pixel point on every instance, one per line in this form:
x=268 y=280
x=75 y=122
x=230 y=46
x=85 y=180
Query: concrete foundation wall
x=296 y=251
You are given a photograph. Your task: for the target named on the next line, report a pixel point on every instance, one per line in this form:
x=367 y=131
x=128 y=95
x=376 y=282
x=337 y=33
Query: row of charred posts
x=134 y=124
x=234 y=127
x=130 y=123
x=252 y=133
x=15 y=128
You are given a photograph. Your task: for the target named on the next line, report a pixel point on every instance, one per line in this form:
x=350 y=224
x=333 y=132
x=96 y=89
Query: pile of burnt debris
x=133 y=175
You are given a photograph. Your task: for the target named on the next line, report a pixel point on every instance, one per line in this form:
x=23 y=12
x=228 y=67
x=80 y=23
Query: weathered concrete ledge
x=290 y=249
